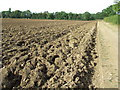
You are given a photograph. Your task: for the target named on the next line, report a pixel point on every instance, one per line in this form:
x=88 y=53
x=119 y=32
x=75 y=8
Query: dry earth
x=108 y=54
x=53 y=54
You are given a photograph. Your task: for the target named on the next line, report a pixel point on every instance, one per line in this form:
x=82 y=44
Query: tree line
x=59 y=15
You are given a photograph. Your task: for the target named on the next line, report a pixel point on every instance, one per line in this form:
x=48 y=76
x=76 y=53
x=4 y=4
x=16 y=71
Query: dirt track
x=49 y=54
x=108 y=54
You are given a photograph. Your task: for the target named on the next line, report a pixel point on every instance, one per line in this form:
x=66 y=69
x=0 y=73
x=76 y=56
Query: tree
x=10 y=10
x=70 y=15
x=74 y=17
x=63 y=15
x=44 y=15
x=79 y=17
x=86 y=16
x=27 y=14
x=92 y=17
x=50 y=16
x=35 y=16
x=111 y=10
x=5 y=14
x=116 y=7
x=15 y=14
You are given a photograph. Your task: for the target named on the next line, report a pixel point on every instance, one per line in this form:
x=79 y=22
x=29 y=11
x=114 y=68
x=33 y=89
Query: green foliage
x=27 y=14
x=116 y=7
x=10 y=10
x=70 y=15
x=86 y=16
x=108 y=11
x=50 y=16
x=113 y=19
x=105 y=13
x=16 y=14
x=60 y=15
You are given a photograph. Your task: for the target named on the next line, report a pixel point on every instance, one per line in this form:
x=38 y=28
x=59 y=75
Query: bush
x=113 y=19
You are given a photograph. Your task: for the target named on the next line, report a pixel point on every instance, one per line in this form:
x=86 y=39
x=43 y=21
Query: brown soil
x=48 y=54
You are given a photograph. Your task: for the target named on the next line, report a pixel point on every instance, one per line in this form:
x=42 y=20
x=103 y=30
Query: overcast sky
x=75 y=6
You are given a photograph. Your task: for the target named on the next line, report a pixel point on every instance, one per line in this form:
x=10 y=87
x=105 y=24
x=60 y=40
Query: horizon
x=74 y=6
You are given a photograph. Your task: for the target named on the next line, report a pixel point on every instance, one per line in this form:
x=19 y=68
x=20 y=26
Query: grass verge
x=113 y=19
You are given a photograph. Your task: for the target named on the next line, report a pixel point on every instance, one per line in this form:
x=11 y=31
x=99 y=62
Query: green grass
x=113 y=19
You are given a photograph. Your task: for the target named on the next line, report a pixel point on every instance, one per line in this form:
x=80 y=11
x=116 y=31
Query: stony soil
x=48 y=54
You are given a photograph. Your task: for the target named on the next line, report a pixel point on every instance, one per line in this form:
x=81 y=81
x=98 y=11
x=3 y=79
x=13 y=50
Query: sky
x=75 y=6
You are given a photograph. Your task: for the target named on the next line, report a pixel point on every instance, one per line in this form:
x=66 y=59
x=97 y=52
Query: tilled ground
x=48 y=54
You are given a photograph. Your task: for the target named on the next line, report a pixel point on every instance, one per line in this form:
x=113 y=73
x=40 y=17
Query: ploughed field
x=48 y=53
